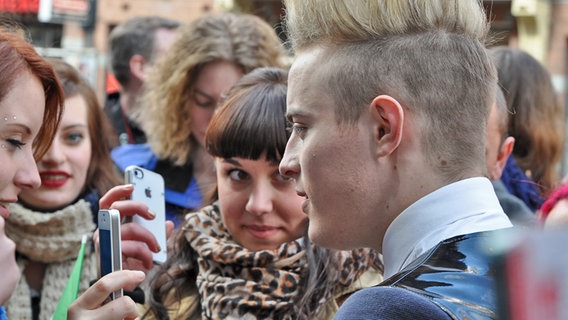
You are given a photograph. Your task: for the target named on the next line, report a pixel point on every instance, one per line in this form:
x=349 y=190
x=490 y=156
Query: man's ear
x=387 y=117
x=504 y=152
x=137 y=65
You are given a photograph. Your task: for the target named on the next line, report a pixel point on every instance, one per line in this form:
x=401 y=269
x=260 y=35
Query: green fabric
x=72 y=288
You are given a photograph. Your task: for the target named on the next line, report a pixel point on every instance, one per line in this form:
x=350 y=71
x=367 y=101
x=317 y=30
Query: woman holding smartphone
x=31 y=103
x=48 y=222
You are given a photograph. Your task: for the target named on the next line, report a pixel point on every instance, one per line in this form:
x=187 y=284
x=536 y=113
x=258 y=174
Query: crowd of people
x=359 y=182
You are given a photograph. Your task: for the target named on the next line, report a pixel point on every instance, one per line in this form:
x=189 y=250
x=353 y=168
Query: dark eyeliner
x=15 y=143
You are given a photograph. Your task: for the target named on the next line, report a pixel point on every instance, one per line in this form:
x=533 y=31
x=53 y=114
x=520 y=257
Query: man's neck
x=128 y=100
x=129 y=97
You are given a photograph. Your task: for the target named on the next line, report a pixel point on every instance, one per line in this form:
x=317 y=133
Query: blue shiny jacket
x=457 y=275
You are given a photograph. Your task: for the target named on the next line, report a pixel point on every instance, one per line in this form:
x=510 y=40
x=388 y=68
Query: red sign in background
x=19 y=6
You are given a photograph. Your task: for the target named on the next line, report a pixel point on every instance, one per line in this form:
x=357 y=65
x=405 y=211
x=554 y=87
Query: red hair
x=17 y=56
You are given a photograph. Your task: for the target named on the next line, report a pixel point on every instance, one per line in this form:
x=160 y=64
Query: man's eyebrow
x=297 y=113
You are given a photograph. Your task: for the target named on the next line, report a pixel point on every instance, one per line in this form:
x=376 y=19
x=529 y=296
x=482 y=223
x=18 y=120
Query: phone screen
x=105 y=245
x=110 y=251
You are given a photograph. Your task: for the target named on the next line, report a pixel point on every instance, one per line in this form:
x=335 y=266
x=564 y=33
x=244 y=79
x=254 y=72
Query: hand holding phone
x=149 y=189
x=110 y=244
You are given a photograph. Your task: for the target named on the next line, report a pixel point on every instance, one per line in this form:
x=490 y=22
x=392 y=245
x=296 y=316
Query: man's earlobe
x=137 y=64
x=504 y=153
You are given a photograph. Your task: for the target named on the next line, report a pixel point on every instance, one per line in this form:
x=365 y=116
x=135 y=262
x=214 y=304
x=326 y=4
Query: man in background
x=135 y=47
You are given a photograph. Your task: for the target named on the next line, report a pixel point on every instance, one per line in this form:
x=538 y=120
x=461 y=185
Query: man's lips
x=305 y=205
x=305 y=202
x=54 y=179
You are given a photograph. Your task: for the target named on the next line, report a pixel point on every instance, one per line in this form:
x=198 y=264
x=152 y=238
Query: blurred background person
x=181 y=95
x=536 y=121
x=135 y=46
x=497 y=151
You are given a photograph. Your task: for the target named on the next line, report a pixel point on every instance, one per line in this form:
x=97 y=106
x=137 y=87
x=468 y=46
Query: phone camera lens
x=138 y=174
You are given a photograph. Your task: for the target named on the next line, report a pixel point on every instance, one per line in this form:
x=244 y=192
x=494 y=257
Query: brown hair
x=17 y=56
x=102 y=174
x=246 y=125
x=536 y=119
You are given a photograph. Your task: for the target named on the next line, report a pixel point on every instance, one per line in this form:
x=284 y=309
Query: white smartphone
x=110 y=249
x=149 y=189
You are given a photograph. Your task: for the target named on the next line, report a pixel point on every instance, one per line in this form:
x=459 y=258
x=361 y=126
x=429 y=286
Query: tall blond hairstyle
x=427 y=54
x=243 y=39
x=339 y=21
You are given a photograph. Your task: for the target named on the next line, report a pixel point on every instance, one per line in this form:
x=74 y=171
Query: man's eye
x=298 y=129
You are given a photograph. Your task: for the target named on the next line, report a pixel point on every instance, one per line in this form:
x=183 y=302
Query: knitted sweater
x=53 y=239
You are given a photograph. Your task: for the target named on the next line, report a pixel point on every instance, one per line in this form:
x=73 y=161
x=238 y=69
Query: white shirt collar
x=463 y=207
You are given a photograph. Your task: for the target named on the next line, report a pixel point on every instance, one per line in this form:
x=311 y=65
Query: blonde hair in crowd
x=317 y=21
x=427 y=54
x=243 y=39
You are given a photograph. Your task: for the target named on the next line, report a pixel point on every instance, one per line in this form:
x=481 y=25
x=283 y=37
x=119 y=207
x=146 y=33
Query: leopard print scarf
x=234 y=282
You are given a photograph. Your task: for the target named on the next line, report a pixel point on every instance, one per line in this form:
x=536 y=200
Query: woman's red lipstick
x=54 y=179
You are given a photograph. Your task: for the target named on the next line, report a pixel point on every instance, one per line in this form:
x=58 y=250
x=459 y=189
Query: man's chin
x=321 y=236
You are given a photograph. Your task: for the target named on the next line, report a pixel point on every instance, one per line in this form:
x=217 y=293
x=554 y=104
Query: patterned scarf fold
x=235 y=282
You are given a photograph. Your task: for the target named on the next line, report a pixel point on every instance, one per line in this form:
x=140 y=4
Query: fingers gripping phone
x=109 y=244
x=149 y=189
